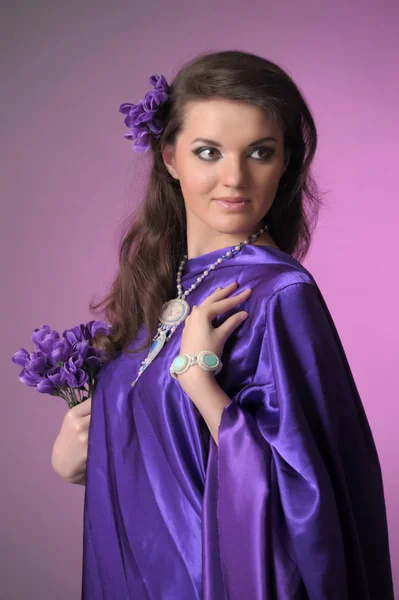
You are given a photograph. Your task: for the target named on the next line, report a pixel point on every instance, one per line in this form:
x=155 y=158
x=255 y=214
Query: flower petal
x=126 y=107
x=20 y=357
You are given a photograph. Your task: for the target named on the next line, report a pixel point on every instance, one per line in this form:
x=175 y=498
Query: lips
x=232 y=204
x=232 y=200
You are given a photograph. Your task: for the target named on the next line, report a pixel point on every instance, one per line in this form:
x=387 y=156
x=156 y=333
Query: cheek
x=202 y=179
x=268 y=176
x=267 y=186
x=197 y=186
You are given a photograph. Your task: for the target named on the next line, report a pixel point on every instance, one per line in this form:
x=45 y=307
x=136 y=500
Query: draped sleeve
x=294 y=504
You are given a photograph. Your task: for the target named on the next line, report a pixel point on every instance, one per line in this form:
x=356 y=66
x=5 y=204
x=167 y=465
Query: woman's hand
x=70 y=448
x=198 y=333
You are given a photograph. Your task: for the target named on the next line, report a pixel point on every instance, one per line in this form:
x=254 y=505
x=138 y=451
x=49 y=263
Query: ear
x=168 y=155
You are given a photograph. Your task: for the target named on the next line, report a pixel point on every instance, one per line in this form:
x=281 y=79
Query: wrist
x=196 y=378
x=206 y=360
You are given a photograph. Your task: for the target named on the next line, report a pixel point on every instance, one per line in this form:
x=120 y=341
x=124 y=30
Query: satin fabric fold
x=289 y=505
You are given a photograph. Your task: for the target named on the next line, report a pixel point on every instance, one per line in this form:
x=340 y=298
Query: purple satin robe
x=288 y=506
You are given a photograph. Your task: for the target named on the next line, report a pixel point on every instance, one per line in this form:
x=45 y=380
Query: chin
x=233 y=228
x=235 y=224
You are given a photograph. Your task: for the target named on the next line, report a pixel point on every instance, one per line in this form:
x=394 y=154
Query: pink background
x=68 y=178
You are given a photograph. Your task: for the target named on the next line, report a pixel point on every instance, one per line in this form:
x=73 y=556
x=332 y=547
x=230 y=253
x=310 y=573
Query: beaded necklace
x=175 y=311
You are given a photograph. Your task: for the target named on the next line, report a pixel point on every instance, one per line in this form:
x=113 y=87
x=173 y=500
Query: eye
x=261 y=149
x=269 y=151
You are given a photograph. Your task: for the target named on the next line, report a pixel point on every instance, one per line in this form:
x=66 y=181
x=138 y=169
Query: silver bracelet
x=207 y=360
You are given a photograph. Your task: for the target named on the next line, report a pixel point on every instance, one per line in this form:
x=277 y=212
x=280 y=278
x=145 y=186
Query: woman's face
x=229 y=165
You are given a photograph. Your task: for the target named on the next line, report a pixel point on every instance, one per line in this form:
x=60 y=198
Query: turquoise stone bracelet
x=207 y=360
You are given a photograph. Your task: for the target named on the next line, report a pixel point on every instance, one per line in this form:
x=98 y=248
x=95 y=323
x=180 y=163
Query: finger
x=231 y=324
x=220 y=292
x=219 y=307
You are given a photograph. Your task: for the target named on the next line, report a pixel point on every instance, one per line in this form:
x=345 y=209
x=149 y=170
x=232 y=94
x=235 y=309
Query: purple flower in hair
x=141 y=118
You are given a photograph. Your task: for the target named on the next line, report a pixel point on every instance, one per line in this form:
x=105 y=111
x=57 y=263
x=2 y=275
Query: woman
x=248 y=471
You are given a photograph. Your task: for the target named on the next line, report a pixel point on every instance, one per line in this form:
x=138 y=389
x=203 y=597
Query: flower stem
x=63 y=395
x=75 y=400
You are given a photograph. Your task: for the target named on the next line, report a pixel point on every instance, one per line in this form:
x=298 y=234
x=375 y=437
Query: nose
x=233 y=171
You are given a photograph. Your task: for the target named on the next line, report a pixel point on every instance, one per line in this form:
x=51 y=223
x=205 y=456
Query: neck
x=199 y=247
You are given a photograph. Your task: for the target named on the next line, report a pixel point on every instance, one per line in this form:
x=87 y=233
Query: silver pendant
x=174 y=312
x=155 y=349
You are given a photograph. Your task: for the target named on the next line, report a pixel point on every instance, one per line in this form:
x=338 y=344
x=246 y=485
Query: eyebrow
x=207 y=141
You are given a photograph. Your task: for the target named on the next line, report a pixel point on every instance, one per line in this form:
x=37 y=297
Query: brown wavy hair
x=154 y=242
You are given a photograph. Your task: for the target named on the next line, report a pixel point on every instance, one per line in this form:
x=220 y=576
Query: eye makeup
x=268 y=149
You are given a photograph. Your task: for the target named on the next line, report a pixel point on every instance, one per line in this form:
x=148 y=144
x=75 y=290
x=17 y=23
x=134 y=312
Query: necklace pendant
x=156 y=348
x=174 y=312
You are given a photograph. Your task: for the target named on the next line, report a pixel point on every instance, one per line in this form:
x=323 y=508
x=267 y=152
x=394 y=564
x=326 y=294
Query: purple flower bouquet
x=63 y=366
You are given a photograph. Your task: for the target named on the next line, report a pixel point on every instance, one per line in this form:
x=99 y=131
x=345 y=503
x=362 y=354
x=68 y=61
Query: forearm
x=208 y=396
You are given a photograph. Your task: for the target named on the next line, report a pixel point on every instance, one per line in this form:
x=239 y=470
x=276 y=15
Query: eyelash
x=271 y=151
